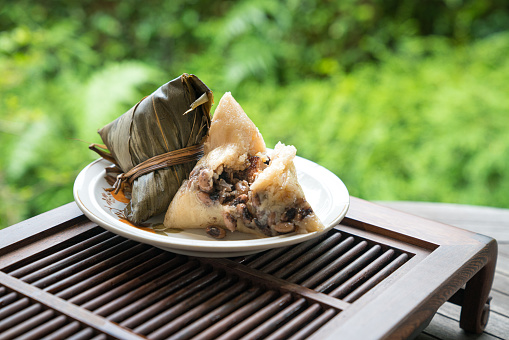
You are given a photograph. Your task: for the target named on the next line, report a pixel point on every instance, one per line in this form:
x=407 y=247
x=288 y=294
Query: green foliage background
x=403 y=100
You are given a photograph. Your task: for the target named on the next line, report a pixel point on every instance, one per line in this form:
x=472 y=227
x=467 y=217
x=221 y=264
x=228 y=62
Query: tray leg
x=476 y=303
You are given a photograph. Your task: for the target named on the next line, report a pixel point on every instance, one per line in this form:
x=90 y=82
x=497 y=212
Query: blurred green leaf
x=112 y=91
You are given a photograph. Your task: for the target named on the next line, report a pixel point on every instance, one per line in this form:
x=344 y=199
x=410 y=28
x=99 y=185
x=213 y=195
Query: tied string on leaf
x=165 y=160
x=189 y=154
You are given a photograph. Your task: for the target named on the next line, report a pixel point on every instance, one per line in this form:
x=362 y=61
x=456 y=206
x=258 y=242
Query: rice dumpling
x=164 y=131
x=239 y=185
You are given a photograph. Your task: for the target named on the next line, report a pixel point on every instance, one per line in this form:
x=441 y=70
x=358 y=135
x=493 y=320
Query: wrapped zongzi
x=165 y=132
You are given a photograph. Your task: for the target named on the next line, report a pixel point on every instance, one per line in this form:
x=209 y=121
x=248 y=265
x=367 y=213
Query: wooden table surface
x=493 y=222
x=381 y=227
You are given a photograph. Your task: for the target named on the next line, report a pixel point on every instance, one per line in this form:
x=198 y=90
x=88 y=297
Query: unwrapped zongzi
x=238 y=185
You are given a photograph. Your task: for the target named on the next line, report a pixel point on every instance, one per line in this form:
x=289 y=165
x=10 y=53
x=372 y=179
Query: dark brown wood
x=313 y=325
x=476 y=303
x=493 y=222
x=146 y=259
x=129 y=302
x=66 y=215
x=45 y=328
x=261 y=315
x=293 y=262
x=274 y=321
x=275 y=283
x=84 y=317
x=286 y=329
x=152 y=308
x=346 y=272
x=327 y=257
x=335 y=265
x=377 y=278
x=361 y=275
x=380 y=274
x=241 y=313
x=266 y=260
x=216 y=308
x=33 y=266
x=127 y=282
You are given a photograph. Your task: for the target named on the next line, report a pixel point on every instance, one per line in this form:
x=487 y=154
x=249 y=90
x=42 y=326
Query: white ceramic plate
x=325 y=192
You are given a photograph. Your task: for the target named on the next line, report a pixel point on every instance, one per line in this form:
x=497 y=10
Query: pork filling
x=230 y=188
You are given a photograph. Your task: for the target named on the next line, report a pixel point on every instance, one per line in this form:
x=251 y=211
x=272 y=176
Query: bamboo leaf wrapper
x=175 y=116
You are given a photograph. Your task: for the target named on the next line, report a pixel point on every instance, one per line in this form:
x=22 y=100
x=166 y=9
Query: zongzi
x=239 y=185
x=157 y=143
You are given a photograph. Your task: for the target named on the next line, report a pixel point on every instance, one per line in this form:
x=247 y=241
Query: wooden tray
x=379 y=274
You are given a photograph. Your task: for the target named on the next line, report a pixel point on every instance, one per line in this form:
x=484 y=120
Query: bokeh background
x=403 y=100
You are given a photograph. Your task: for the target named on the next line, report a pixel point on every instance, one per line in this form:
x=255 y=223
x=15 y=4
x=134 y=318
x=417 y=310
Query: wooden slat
x=126 y=282
x=103 y=262
x=83 y=334
x=267 y=258
x=177 y=304
x=295 y=323
x=179 y=315
x=317 y=264
x=387 y=240
x=62 y=307
x=19 y=317
x=273 y=283
x=46 y=328
x=332 y=268
x=273 y=322
x=146 y=259
x=295 y=259
x=254 y=320
x=9 y=307
x=241 y=313
x=312 y=326
x=361 y=275
x=181 y=276
x=374 y=280
x=32 y=275
x=66 y=331
x=57 y=277
x=225 y=305
x=344 y=273
x=57 y=256
x=417 y=290
x=146 y=308
x=27 y=324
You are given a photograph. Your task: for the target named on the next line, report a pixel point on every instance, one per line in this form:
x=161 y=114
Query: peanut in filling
x=230 y=188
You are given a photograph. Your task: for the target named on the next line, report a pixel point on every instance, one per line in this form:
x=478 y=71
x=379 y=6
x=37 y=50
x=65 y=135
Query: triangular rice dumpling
x=175 y=116
x=238 y=185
